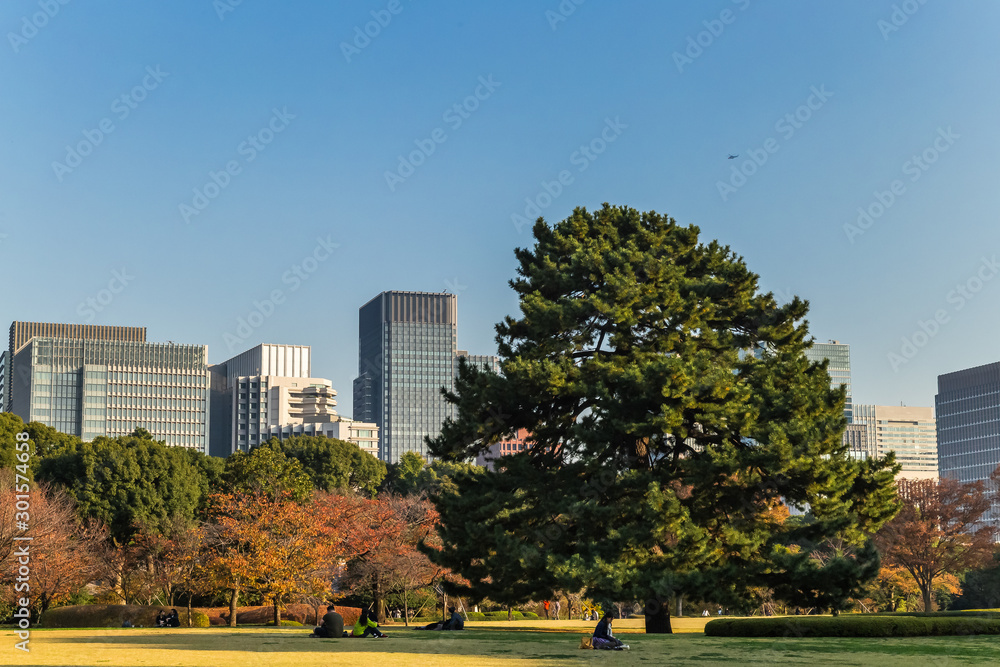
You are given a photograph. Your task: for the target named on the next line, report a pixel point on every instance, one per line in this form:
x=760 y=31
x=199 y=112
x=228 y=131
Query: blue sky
x=250 y=140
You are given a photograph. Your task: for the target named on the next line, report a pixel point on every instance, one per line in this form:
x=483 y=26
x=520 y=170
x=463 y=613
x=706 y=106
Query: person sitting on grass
x=367 y=626
x=604 y=639
x=454 y=623
x=332 y=625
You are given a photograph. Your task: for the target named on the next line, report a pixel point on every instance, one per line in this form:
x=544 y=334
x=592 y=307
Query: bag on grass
x=587 y=642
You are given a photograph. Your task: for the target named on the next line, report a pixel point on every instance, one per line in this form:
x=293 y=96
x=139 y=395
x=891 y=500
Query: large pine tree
x=672 y=412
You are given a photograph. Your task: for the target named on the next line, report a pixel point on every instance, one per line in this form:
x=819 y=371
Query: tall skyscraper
x=968 y=422
x=839 y=368
x=22 y=332
x=94 y=387
x=406 y=354
x=909 y=432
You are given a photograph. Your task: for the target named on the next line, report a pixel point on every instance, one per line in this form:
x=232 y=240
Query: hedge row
x=853 y=626
x=113 y=615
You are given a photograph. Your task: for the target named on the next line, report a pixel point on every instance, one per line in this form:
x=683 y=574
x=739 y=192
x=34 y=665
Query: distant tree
x=388 y=531
x=269 y=544
x=938 y=531
x=126 y=482
x=268 y=470
x=414 y=476
x=670 y=405
x=334 y=464
x=212 y=469
x=63 y=551
x=980 y=589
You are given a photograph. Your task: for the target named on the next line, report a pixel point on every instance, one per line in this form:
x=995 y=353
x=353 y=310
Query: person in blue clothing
x=603 y=637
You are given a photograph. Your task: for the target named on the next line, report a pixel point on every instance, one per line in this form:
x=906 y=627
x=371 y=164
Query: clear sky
x=175 y=165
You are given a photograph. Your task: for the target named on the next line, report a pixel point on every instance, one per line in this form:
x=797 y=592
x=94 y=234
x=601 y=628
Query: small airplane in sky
x=732 y=157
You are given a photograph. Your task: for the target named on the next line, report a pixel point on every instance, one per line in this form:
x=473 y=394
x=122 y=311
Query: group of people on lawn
x=332 y=625
x=168 y=619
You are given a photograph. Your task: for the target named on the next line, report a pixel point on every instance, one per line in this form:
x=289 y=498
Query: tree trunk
x=680 y=605
x=657 y=617
x=277 y=613
x=233 y=599
x=510 y=613
x=190 y=595
x=406 y=608
x=377 y=601
x=925 y=591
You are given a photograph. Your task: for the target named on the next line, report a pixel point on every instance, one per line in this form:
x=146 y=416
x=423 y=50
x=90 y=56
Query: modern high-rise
x=406 y=355
x=22 y=332
x=489 y=362
x=92 y=387
x=839 y=368
x=968 y=423
x=267 y=392
x=910 y=432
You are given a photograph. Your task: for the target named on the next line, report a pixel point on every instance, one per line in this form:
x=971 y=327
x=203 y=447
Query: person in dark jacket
x=603 y=638
x=332 y=626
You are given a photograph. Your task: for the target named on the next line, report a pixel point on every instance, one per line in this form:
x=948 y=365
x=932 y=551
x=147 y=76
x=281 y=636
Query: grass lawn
x=483 y=644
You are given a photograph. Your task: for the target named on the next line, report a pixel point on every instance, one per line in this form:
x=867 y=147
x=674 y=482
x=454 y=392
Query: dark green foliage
x=127 y=482
x=10 y=426
x=266 y=469
x=334 y=464
x=980 y=589
x=672 y=411
x=851 y=625
x=413 y=475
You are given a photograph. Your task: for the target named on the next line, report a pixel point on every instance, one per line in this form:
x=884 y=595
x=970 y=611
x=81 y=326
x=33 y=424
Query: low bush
x=530 y=615
x=476 y=616
x=854 y=625
x=294 y=624
x=113 y=616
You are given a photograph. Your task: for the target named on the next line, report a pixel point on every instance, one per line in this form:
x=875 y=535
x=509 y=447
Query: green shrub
x=529 y=615
x=476 y=616
x=113 y=615
x=285 y=622
x=853 y=625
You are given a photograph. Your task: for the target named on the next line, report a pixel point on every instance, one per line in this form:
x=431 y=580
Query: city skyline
x=229 y=193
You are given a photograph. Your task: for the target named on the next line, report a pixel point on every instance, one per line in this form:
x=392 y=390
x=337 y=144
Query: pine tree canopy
x=674 y=418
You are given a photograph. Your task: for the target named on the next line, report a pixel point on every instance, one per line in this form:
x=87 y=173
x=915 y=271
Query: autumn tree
x=63 y=550
x=939 y=530
x=670 y=404
x=267 y=543
x=388 y=533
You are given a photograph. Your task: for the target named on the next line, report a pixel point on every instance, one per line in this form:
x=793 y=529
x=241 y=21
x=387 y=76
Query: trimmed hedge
x=853 y=625
x=113 y=615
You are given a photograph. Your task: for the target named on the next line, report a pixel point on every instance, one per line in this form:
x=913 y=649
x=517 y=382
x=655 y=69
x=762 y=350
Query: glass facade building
x=22 y=332
x=406 y=354
x=910 y=432
x=91 y=388
x=968 y=423
x=839 y=368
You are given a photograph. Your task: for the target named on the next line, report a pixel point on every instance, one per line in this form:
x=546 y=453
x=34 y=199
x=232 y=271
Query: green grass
x=484 y=644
